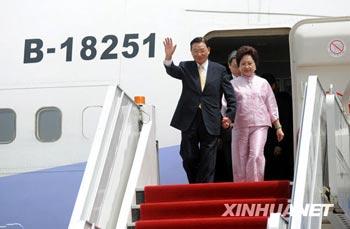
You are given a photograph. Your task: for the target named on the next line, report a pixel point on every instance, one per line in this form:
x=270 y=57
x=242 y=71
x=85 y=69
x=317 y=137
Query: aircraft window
x=91 y=115
x=7 y=126
x=48 y=124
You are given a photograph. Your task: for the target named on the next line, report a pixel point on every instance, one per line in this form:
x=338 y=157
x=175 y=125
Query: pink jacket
x=255 y=101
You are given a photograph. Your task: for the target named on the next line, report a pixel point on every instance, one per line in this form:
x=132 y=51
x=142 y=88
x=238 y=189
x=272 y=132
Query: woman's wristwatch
x=278 y=127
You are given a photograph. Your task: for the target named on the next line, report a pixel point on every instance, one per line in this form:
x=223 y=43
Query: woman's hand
x=279 y=131
x=280 y=134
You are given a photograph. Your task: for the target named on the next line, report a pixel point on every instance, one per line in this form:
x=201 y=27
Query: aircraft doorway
x=271 y=44
x=273 y=47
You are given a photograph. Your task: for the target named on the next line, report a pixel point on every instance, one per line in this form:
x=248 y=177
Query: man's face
x=234 y=68
x=200 y=52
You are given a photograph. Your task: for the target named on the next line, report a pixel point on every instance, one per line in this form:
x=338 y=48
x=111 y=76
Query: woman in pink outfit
x=256 y=111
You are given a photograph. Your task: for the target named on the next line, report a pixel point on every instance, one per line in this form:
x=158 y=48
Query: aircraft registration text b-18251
x=34 y=49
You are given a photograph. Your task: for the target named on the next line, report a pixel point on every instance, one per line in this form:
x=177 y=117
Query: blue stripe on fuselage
x=41 y=199
x=45 y=199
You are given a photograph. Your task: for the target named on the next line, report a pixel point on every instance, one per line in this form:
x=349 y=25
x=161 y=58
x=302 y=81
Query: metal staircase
x=124 y=159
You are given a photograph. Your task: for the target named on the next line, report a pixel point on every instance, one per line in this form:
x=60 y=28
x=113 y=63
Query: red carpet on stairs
x=212 y=205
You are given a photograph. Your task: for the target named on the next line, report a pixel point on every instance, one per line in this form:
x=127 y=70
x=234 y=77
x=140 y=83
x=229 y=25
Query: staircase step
x=259 y=222
x=131 y=226
x=211 y=205
x=135 y=213
x=212 y=208
x=140 y=196
x=214 y=191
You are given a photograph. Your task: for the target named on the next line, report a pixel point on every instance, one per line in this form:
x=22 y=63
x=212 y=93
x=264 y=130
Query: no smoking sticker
x=336 y=48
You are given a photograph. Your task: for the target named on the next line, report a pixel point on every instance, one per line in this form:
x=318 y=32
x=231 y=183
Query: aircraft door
x=319 y=47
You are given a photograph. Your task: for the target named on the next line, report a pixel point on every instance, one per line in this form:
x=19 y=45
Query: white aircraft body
x=59 y=57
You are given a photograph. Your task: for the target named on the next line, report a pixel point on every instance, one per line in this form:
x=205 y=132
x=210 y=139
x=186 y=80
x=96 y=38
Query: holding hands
x=225 y=122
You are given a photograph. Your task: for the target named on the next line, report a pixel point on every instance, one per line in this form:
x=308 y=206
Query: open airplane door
x=319 y=47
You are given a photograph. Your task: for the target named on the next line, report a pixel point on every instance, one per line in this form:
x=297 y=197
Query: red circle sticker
x=336 y=48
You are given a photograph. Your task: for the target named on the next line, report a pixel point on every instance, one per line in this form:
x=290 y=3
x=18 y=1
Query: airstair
x=123 y=160
x=322 y=172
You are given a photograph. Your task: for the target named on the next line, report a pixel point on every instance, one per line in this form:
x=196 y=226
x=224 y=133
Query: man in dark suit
x=198 y=114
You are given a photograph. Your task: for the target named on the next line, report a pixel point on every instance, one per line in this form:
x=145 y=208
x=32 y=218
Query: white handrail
x=308 y=178
x=323 y=158
x=145 y=169
x=338 y=139
x=123 y=157
x=78 y=220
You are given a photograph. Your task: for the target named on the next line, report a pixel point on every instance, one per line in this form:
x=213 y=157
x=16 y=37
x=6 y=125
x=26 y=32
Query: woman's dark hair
x=247 y=50
x=199 y=40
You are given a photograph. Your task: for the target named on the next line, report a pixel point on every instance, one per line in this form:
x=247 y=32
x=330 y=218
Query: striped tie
x=202 y=76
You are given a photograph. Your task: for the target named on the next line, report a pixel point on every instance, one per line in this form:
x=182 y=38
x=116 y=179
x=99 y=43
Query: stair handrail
x=308 y=178
x=145 y=168
x=109 y=164
x=338 y=152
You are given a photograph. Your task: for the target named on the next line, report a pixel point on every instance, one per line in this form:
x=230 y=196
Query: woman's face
x=247 y=66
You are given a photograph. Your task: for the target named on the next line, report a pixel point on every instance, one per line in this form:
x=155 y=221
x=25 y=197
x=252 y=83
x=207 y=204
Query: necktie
x=202 y=76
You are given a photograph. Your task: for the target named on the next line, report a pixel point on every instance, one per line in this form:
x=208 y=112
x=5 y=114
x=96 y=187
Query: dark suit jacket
x=216 y=85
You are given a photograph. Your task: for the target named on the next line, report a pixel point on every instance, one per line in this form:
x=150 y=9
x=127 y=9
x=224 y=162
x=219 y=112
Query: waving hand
x=169 y=48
